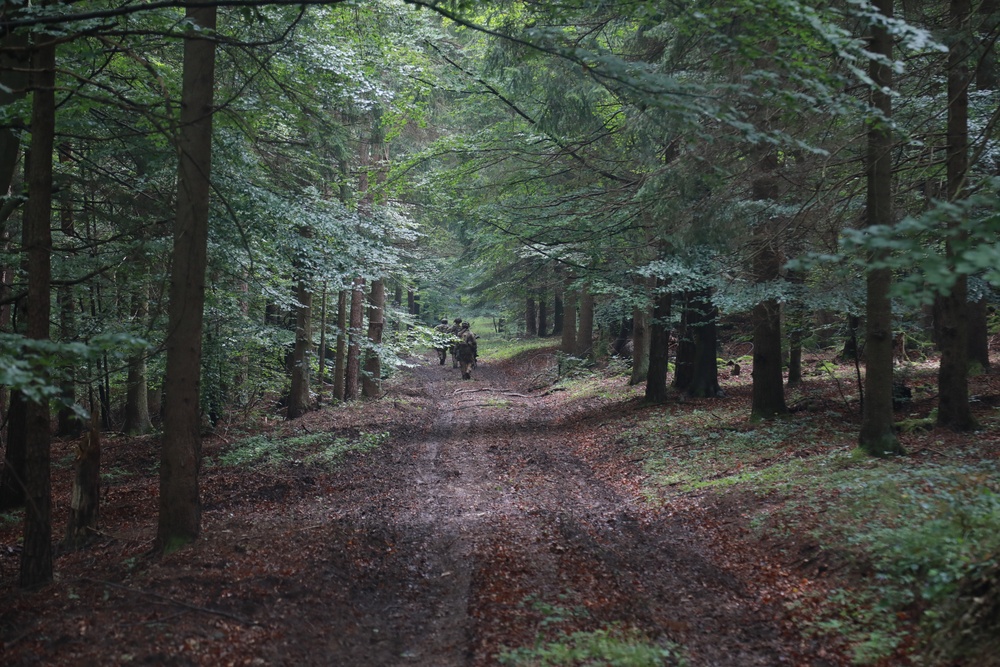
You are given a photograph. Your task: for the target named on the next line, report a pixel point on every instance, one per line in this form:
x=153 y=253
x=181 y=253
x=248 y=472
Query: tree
x=878 y=436
x=952 y=308
x=180 y=503
x=371 y=386
x=36 y=556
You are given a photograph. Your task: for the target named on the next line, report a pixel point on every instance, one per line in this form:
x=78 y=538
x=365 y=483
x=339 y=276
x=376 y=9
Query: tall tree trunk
x=322 y=347
x=354 y=346
x=768 y=392
x=640 y=336
x=36 y=553
x=953 y=382
x=180 y=504
x=542 y=317
x=569 y=319
x=986 y=63
x=298 y=393
x=878 y=435
x=659 y=346
x=796 y=323
x=979 y=334
x=340 y=361
x=371 y=386
x=585 y=331
x=705 y=369
x=684 y=362
x=530 y=317
x=137 y=420
x=557 y=312
x=15 y=462
x=86 y=493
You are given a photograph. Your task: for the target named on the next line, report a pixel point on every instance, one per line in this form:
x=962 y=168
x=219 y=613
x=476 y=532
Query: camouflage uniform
x=456 y=331
x=466 y=351
x=443 y=333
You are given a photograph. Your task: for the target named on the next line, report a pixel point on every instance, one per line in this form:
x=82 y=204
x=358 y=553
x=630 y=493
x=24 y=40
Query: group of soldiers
x=461 y=342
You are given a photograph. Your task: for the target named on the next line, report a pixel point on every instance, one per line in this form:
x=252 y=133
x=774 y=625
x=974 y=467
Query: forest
x=734 y=270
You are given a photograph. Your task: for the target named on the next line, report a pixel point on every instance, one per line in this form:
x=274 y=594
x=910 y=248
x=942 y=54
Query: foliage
x=614 y=645
x=320 y=449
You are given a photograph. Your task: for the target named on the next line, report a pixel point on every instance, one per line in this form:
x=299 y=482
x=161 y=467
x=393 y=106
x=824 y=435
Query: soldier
x=466 y=351
x=456 y=331
x=442 y=337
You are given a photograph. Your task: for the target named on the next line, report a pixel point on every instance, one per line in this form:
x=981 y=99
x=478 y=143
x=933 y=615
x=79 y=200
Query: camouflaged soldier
x=442 y=335
x=466 y=351
x=456 y=331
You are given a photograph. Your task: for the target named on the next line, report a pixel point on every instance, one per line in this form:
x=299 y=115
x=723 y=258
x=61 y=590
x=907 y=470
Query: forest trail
x=483 y=524
x=499 y=528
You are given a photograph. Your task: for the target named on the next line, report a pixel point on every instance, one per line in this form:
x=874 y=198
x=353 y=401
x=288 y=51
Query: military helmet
x=444 y=320
x=465 y=325
x=458 y=320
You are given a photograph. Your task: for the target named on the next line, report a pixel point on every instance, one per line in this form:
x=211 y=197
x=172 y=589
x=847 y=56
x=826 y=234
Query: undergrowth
x=909 y=534
x=614 y=645
x=322 y=449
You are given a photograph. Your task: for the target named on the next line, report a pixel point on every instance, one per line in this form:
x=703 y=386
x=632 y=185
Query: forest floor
x=502 y=520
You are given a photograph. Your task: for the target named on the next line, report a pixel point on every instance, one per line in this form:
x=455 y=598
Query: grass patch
x=322 y=449
x=614 y=645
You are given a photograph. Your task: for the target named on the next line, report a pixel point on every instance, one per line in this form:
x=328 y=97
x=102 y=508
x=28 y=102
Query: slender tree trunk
x=585 y=332
x=684 y=363
x=796 y=322
x=640 y=337
x=569 y=320
x=299 y=391
x=557 y=313
x=354 y=346
x=979 y=335
x=530 y=317
x=86 y=493
x=180 y=503
x=705 y=375
x=768 y=393
x=986 y=63
x=36 y=554
x=15 y=463
x=137 y=420
x=371 y=386
x=953 y=382
x=542 y=316
x=322 y=347
x=878 y=436
x=659 y=346
x=340 y=362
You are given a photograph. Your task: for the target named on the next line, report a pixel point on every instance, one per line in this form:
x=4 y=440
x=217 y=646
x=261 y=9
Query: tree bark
x=36 y=554
x=371 y=386
x=530 y=317
x=659 y=346
x=353 y=374
x=137 y=421
x=684 y=361
x=542 y=317
x=585 y=332
x=640 y=337
x=321 y=378
x=299 y=390
x=340 y=362
x=85 y=497
x=878 y=436
x=180 y=504
x=568 y=345
x=953 y=382
x=979 y=334
x=705 y=369
x=557 y=313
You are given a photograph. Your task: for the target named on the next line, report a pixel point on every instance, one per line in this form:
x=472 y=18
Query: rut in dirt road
x=493 y=520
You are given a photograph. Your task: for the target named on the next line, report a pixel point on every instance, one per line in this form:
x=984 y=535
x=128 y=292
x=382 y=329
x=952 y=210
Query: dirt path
x=482 y=525
x=492 y=525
